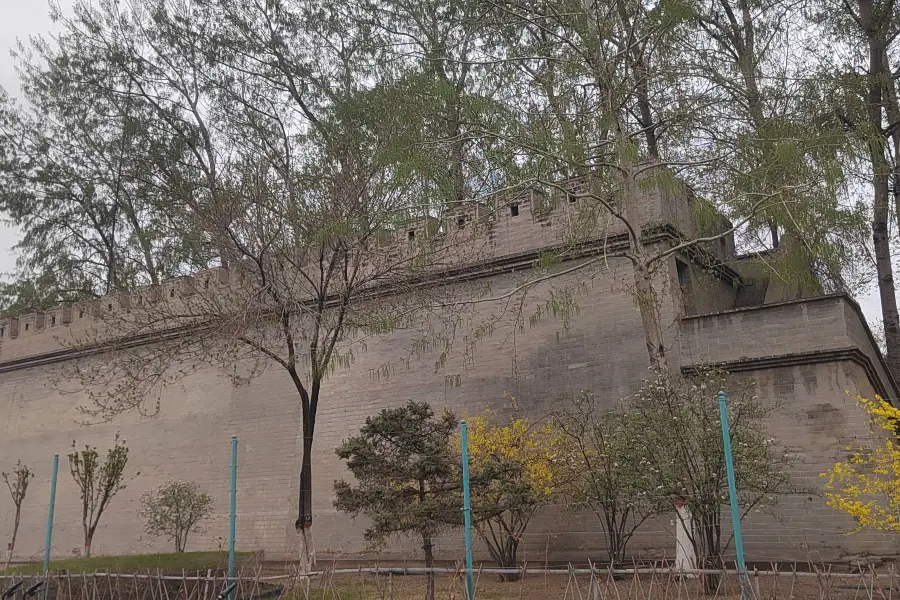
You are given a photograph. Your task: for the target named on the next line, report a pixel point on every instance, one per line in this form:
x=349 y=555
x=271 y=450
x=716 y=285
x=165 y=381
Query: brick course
x=803 y=355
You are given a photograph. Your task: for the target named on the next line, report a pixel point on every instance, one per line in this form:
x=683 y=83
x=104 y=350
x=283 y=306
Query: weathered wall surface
x=603 y=351
x=810 y=359
x=817 y=419
x=189 y=439
x=803 y=356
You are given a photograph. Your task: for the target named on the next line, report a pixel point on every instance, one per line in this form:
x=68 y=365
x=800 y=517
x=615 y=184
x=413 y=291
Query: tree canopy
x=289 y=140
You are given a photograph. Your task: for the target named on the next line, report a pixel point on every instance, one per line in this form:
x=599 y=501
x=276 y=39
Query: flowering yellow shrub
x=867 y=485
x=518 y=443
x=511 y=475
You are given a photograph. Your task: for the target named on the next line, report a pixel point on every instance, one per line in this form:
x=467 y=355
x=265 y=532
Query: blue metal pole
x=732 y=494
x=48 y=541
x=467 y=509
x=233 y=514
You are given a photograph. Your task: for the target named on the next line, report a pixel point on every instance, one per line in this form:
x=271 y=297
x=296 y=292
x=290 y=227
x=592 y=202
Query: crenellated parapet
x=505 y=224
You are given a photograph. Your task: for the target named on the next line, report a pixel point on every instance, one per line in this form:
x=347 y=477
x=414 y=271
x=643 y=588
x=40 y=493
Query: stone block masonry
x=803 y=355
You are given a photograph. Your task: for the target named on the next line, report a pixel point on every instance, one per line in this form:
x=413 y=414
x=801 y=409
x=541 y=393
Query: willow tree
x=301 y=175
x=592 y=93
x=87 y=174
x=438 y=47
x=857 y=62
x=607 y=93
x=770 y=124
x=311 y=148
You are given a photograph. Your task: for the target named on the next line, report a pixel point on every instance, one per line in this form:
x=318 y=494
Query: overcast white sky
x=24 y=18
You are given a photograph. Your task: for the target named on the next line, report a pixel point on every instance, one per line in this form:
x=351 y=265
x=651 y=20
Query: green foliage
x=17 y=484
x=681 y=452
x=406 y=476
x=26 y=295
x=405 y=470
x=772 y=135
x=89 y=176
x=175 y=510
x=512 y=470
x=98 y=482
x=601 y=469
x=162 y=137
x=547 y=260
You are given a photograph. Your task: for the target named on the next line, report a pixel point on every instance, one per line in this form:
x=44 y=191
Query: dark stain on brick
x=810 y=381
x=825 y=418
x=783 y=383
x=762 y=384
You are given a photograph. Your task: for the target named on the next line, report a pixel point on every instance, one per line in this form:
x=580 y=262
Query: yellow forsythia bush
x=867 y=485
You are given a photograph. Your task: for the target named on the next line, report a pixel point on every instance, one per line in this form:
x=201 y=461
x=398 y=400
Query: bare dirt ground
x=582 y=587
x=255 y=584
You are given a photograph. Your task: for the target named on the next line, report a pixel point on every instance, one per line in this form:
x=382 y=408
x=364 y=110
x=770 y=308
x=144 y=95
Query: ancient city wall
x=189 y=439
x=811 y=358
x=804 y=355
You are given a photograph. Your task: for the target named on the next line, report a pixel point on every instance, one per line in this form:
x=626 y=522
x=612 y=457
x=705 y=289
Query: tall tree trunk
x=884 y=270
x=12 y=543
x=745 y=46
x=456 y=170
x=111 y=274
x=146 y=247
x=644 y=292
x=639 y=60
x=453 y=127
x=880 y=183
x=892 y=105
x=648 y=305
x=309 y=402
x=646 y=110
x=428 y=547
x=738 y=38
x=87 y=545
x=304 y=520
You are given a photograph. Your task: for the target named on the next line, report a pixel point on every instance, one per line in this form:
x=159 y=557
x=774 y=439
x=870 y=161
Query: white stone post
x=684 y=550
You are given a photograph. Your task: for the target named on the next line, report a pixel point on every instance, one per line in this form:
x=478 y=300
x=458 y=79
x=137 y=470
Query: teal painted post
x=732 y=495
x=48 y=541
x=467 y=509
x=233 y=513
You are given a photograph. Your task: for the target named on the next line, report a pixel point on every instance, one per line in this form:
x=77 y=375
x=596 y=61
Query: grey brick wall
x=539 y=361
x=603 y=351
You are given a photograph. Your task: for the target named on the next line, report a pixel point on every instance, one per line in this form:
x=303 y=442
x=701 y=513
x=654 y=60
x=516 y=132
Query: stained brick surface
x=602 y=348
